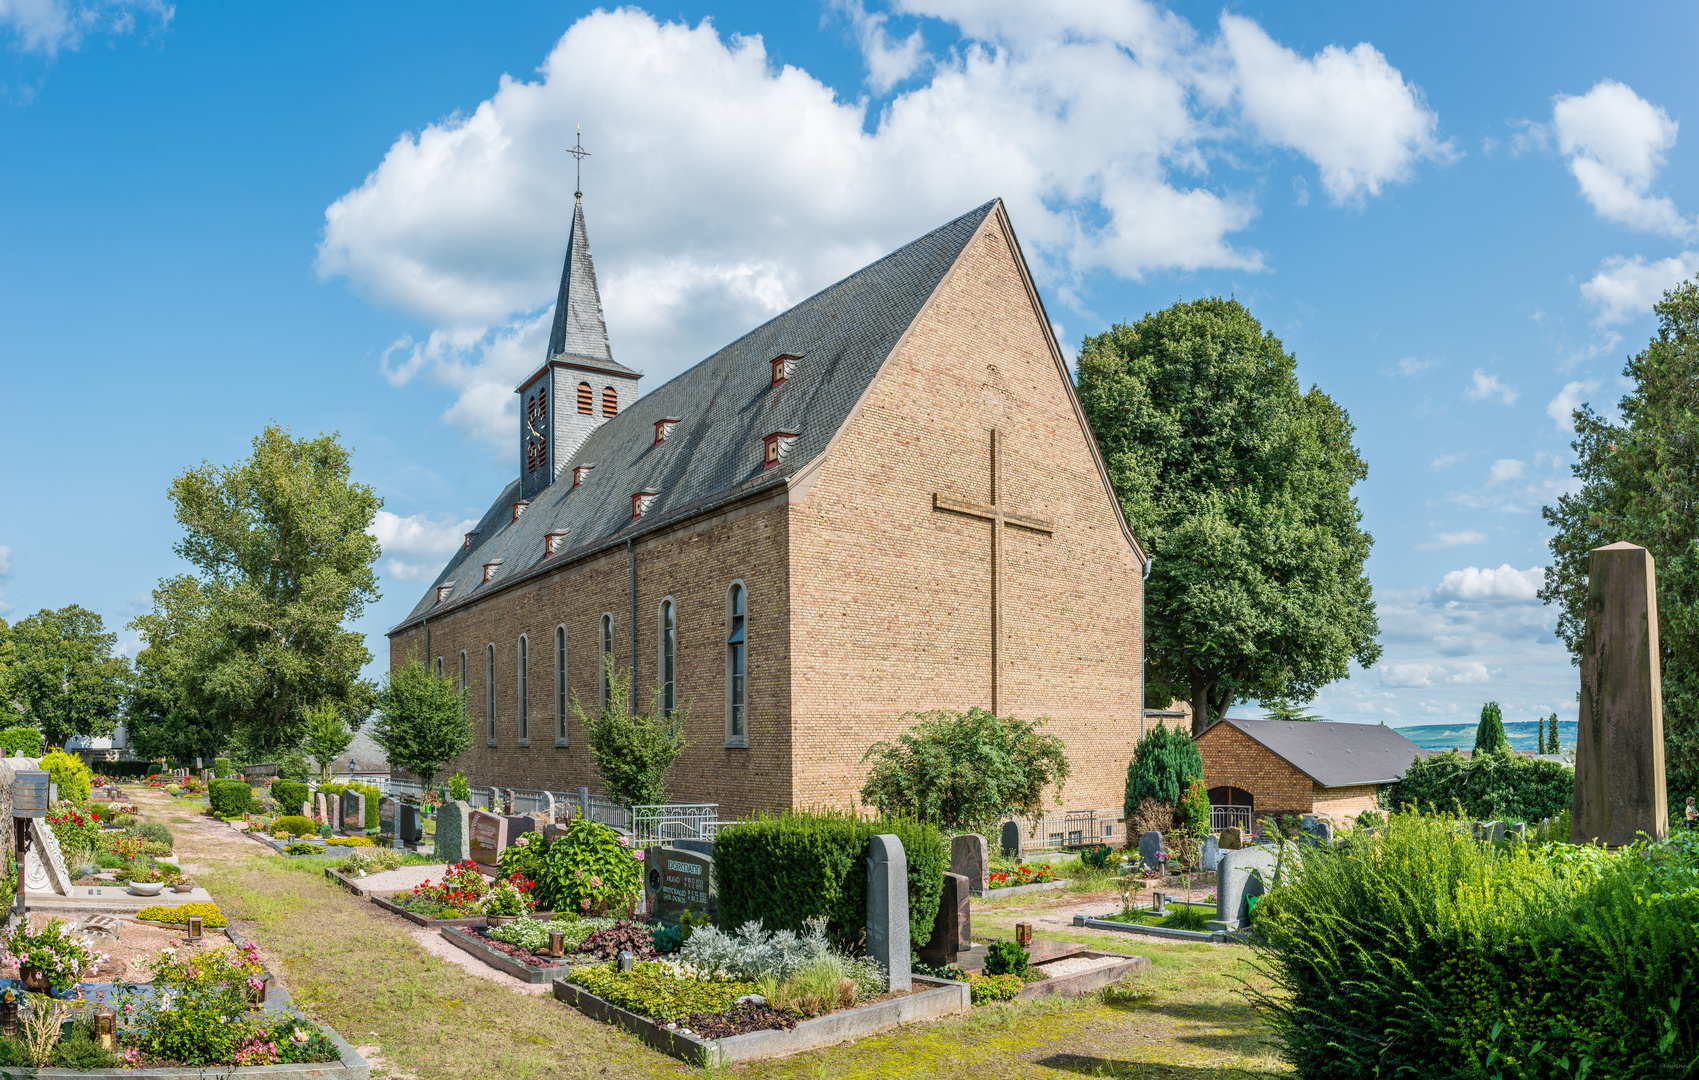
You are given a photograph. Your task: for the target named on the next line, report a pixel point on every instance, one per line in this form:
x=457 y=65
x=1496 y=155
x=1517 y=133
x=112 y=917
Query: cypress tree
x=1556 y=745
x=1489 y=736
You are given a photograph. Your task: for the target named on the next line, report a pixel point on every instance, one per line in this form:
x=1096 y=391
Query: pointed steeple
x=579 y=328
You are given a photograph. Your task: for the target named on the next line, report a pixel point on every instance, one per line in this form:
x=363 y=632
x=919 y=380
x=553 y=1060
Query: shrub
x=785 y=870
x=459 y=788
x=752 y=952
x=528 y=933
x=1191 y=817
x=155 y=832
x=211 y=917
x=659 y=990
x=1489 y=735
x=294 y=825
x=1422 y=952
x=222 y=767
x=1007 y=958
x=290 y=794
x=1164 y=764
x=73 y=777
x=351 y=841
x=1151 y=815
x=1486 y=786
x=21 y=742
x=75 y=830
x=632 y=750
x=587 y=868
x=965 y=771
x=377 y=860
x=300 y=848
x=992 y=987
x=230 y=797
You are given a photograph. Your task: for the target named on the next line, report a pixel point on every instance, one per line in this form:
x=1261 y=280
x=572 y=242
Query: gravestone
x=887 y=909
x=1241 y=874
x=537 y=823
x=701 y=847
x=1149 y=845
x=952 y=930
x=388 y=811
x=261 y=771
x=1619 y=741
x=488 y=836
x=353 y=812
x=44 y=865
x=1232 y=838
x=1491 y=831
x=454 y=832
x=1011 y=839
x=1211 y=854
x=677 y=879
x=970 y=857
x=412 y=829
x=307 y=810
x=321 y=806
x=549 y=807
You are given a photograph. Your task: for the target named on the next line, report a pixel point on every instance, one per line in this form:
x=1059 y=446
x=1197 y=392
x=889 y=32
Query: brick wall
x=892 y=599
x=1233 y=759
x=1340 y=804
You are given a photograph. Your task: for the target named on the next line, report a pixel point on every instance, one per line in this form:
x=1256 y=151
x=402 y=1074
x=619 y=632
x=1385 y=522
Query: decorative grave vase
x=501 y=920
x=34 y=979
x=256 y=994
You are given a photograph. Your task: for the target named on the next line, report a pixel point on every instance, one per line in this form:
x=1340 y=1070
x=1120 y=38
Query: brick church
x=885 y=499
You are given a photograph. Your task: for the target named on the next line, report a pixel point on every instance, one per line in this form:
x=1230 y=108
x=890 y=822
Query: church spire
x=579 y=328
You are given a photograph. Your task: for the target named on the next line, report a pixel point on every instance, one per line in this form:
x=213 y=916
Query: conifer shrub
x=1164 y=764
x=788 y=869
x=1420 y=951
x=1489 y=734
x=1485 y=787
x=75 y=779
x=230 y=797
x=294 y=825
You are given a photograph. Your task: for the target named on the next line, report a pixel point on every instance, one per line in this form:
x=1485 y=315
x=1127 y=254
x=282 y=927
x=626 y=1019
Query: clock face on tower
x=536 y=428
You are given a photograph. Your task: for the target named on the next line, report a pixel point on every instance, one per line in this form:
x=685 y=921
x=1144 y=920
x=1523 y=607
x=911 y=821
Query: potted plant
x=51 y=957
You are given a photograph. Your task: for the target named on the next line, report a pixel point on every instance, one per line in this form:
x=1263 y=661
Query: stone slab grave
x=952 y=930
x=486 y=835
x=45 y=873
x=352 y=812
x=1149 y=844
x=1242 y=874
x=677 y=880
x=454 y=832
x=887 y=909
x=1619 y=740
x=321 y=806
x=970 y=856
x=412 y=828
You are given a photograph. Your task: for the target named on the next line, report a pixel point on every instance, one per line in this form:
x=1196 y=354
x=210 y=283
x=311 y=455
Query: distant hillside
x=1524 y=735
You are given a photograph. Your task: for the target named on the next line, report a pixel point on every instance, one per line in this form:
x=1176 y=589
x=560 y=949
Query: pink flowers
x=624 y=842
x=638 y=855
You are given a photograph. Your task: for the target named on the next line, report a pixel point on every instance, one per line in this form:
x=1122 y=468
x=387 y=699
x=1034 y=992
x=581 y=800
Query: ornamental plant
x=76 y=830
x=965 y=771
x=587 y=869
x=60 y=955
x=198 y=1013
x=1021 y=875
x=73 y=777
x=211 y=916
x=515 y=895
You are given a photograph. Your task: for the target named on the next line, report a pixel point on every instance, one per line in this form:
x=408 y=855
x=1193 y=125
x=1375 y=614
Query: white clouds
x=1625 y=289
x=1484 y=387
x=1350 y=112
x=1445 y=461
x=1504 y=585
x=1506 y=469
x=47 y=26
x=1410 y=367
x=1562 y=407
x=418 y=538
x=1615 y=141
x=1453 y=539
x=724 y=188
x=1420 y=675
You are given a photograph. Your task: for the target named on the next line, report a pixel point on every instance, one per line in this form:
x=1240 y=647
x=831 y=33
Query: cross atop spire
x=580 y=153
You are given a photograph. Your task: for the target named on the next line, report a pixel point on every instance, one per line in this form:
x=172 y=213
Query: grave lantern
x=31 y=793
x=1023 y=934
x=106 y=1028
x=557 y=944
x=194 y=929
x=626 y=960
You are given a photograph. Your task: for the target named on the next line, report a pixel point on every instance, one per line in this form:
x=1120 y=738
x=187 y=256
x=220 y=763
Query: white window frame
x=523 y=687
x=737 y=681
x=666 y=667
x=490 y=694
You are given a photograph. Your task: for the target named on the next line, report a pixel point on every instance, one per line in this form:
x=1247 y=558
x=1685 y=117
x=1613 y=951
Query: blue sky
x=351 y=218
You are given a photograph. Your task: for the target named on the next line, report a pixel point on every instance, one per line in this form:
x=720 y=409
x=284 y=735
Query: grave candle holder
x=194 y=929
x=1158 y=900
x=1023 y=935
x=626 y=960
x=9 y=1012
x=557 y=944
x=106 y=1028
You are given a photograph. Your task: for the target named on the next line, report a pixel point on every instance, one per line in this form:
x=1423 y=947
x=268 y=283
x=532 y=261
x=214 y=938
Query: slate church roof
x=726 y=406
x=1333 y=754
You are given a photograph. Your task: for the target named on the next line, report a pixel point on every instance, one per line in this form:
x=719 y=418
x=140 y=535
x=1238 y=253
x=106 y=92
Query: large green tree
x=285 y=560
x=66 y=674
x=965 y=771
x=1238 y=483
x=1489 y=733
x=9 y=715
x=1640 y=483
x=422 y=722
x=169 y=717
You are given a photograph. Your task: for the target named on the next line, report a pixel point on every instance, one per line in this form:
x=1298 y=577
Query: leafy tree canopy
x=1239 y=485
x=169 y=717
x=9 y=714
x=965 y=771
x=632 y=750
x=421 y=722
x=66 y=674
x=327 y=736
x=1489 y=734
x=285 y=560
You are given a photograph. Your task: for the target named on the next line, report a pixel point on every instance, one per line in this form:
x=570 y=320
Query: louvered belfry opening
x=610 y=401
x=586 y=399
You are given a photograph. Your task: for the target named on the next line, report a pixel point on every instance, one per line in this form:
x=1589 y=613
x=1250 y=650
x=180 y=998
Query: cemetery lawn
x=363 y=972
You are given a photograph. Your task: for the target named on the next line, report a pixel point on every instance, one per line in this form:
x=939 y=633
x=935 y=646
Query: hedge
x=289 y=795
x=1485 y=786
x=21 y=742
x=230 y=797
x=1421 y=952
x=784 y=870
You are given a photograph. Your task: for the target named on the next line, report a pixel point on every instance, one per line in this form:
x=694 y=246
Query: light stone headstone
x=1011 y=839
x=488 y=836
x=1211 y=854
x=307 y=810
x=321 y=806
x=454 y=832
x=970 y=857
x=1149 y=844
x=1619 y=741
x=1241 y=874
x=887 y=909
x=1232 y=838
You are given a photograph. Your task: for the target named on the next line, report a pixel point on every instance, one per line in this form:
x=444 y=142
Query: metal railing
x=1225 y=817
x=1065 y=829
x=674 y=821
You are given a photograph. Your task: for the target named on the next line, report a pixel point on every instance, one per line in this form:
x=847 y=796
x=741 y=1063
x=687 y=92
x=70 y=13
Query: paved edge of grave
x=397 y=909
x=1213 y=937
x=347 y=882
x=499 y=960
x=1084 y=982
x=1016 y=890
x=945 y=998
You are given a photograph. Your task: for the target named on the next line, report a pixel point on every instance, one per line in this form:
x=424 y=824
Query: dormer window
x=491 y=568
x=586 y=398
x=443 y=591
x=664 y=427
x=641 y=501
x=783 y=365
x=776 y=447
x=519 y=509
x=553 y=541
x=467 y=546
x=580 y=473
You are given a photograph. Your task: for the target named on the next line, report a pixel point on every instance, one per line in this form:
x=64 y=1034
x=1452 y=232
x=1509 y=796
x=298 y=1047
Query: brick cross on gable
x=1000 y=517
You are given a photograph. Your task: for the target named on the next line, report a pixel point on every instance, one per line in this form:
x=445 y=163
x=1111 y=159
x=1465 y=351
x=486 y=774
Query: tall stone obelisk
x=1619 y=744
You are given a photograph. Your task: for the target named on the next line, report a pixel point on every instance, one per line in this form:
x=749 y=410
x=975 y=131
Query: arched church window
x=524 y=691
x=737 y=663
x=560 y=686
x=607 y=658
x=667 y=636
x=490 y=692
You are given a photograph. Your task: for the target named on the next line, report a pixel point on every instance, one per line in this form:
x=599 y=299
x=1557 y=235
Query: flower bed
x=211 y=917
x=1020 y=875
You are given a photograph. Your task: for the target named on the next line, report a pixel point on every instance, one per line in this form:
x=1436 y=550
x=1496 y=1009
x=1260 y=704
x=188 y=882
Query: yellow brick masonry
x=864 y=603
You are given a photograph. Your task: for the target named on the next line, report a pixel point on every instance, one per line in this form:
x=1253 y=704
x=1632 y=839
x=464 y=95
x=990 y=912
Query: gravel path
x=1073 y=965
x=402 y=879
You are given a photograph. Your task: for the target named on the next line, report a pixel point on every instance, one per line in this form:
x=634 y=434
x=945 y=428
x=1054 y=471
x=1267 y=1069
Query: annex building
x=1270 y=768
x=884 y=500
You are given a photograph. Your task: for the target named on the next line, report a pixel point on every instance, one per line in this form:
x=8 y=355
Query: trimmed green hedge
x=21 y=742
x=784 y=870
x=1485 y=786
x=289 y=795
x=230 y=797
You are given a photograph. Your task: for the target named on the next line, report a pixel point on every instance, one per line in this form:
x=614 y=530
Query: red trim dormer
x=776 y=447
x=580 y=473
x=467 y=546
x=519 y=509
x=783 y=365
x=664 y=428
x=641 y=501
